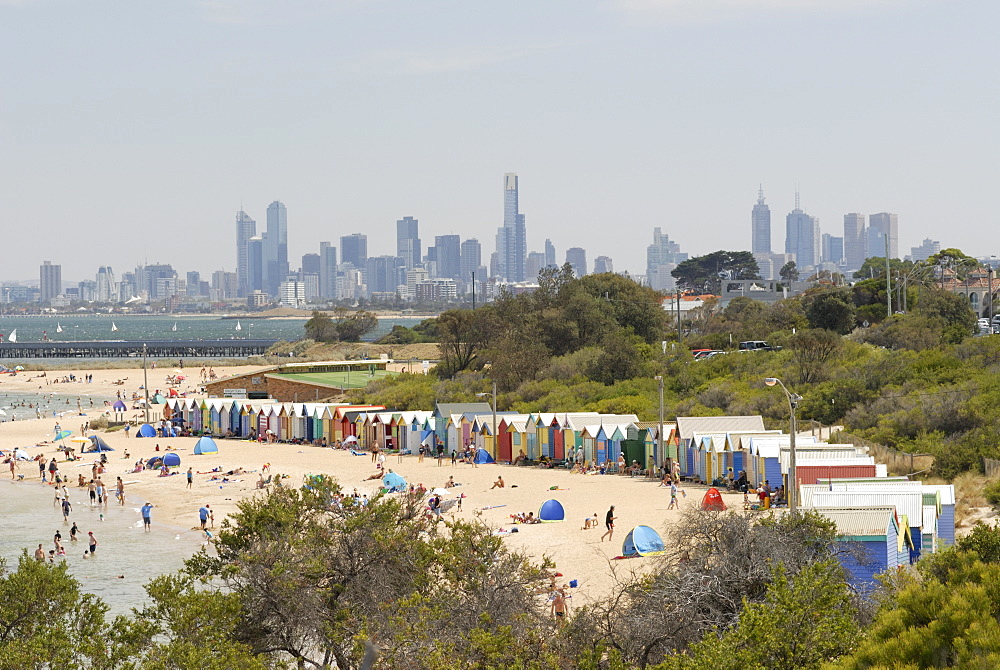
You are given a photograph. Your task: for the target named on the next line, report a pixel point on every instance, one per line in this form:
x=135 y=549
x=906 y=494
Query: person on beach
x=40 y=554
x=190 y=477
x=92 y=541
x=66 y=509
x=560 y=606
x=73 y=531
x=498 y=484
x=57 y=542
x=13 y=464
x=674 y=504
x=203 y=516
x=120 y=491
x=609 y=522
x=101 y=493
x=41 y=468
x=147 y=511
x=92 y=490
x=128 y=427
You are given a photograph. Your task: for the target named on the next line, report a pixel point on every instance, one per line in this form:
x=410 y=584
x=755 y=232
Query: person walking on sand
x=560 y=606
x=609 y=522
x=190 y=477
x=674 y=504
x=147 y=511
x=13 y=464
x=203 y=515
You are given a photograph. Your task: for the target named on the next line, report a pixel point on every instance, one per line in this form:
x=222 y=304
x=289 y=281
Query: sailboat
x=114 y=328
x=238 y=326
x=13 y=336
x=58 y=327
x=174 y=328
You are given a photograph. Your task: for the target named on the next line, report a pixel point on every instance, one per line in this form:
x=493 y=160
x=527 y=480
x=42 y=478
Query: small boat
x=58 y=327
x=13 y=336
x=238 y=326
x=174 y=328
x=114 y=328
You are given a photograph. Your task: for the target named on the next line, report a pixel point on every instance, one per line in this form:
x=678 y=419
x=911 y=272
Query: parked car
x=757 y=345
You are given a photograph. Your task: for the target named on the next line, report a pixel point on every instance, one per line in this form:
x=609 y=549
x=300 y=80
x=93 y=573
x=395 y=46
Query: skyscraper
x=449 y=256
x=354 y=250
x=49 y=281
x=603 y=265
x=577 y=257
x=472 y=258
x=662 y=256
x=327 y=270
x=255 y=264
x=833 y=248
x=383 y=274
x=310 y=264
x=512 y=245
x=760 y=224
x=550 y=254
x=802 y=238
x=855 y=241
x=107 y=288
x=276 y=247
x=536 y=261
x=879 y=226
x=925 y=250
x=408 y=241
x=245 y=229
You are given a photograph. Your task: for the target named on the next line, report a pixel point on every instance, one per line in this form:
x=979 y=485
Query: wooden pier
x=234 y=348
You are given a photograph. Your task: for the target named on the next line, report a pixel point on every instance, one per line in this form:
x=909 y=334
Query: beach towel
x=358 y=453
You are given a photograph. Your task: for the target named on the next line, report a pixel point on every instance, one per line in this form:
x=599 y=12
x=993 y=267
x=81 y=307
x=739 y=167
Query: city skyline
x=586 y=103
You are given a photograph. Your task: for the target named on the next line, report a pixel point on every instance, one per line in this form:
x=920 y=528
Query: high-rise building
x=310 y=264
x=536 y=261
x=354 y=250
x=802 y=238
x=245 y=229
x=383 y=274
x=327 y=270
x=550 y=255
x=577 y=258
x=193 y=284
x=879 y=226
x=472 y=258
x=512 y=243
x=408 y=241
x=855 y=241
x=925 y=250
x=255 y=264
x=603 y=265
x=224 y=284
x=832 y=248
x=276 y=247
x=49 y=281
x=760 y=224
x=107 y=288
x=662 y=256
x=449 y=256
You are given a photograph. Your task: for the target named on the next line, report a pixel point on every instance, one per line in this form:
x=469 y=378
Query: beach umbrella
x=440 y=492
x=350 y=438
x=393 y=482
x=81 y=440
x=62 y=434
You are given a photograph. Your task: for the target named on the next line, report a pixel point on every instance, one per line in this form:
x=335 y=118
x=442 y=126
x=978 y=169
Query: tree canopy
x=705 y=274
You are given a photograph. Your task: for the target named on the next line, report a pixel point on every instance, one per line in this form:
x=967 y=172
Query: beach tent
x=21 y=454
x=206 y=445
x=713 y=501
x=145 y=430
x=119 y=406
x=642 y=541
x=158 y=399
x=171 y=460
x=96 y=445
x=349 y=439
x=393 y=482
x=154 y=463
x=552 y=510
x=483 y=456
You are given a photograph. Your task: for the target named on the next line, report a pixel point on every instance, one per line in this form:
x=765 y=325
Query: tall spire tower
x=760 y=226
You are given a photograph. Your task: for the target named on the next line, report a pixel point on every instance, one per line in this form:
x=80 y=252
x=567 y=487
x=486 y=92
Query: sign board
x=256 y=380
x=427 y=366
x=234 y=393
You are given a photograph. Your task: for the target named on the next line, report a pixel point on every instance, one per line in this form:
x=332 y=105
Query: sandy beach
x=578 y=554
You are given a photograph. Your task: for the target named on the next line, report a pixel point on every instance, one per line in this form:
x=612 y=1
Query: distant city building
x=662 y=256
x=408 y=241
x=49 y=281
x=255 y=263
x=327 y=270
x=276 y=247
x=435 y=290
x=472 y=259
x=87 y=290
x=802 y=238
x=512 y=245
x=832 y=249
x=383 y=274
x=257 y=299
x=925 y=250
x=354 y=250
x=415 y=276
x=225 y=284
x=603 y=265
x=577 y=257
x=536 y=261
x=550 y=255
x=107 y=287
x=350 y=284
x=760 y=224
x=292 y=294
x=879 y=226
x=311 y=264
x=159 y=281
x=192 y=284
x=449 y=256
x=246 y=228
x=855 y=241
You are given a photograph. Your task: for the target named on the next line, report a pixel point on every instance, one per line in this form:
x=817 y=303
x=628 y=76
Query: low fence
x=991 y=467
x=897 y=462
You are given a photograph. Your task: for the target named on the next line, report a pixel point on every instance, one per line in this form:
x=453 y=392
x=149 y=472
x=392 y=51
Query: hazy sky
x=133 y=131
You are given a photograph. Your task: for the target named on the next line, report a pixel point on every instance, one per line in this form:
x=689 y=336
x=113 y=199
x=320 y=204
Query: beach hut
x=642 y=541
x=97 y=444
x=171 y=460
x=146 y=430
x=712 y=502
x=393 y=482
x=873 y=532
x=908 y=502
x=946 y=520
x=205 y=445
x=483 y=457
x=551 y=510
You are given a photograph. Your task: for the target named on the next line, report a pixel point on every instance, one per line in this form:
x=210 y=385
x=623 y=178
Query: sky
x=132 y=132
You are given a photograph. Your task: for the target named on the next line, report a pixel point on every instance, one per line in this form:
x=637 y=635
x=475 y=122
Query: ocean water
x=48 y=404
x=137 y=328
x=127 y=558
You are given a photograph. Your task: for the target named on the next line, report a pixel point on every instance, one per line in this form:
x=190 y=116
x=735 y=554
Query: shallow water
x=123 y=548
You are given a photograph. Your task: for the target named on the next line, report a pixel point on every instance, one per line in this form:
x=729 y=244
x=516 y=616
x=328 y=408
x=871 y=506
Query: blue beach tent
x=171 y=460
x=154 y=463
x=145 y=430
x=206 y=445
x=642 y=541
x=483 y=457
x=552 y=510
x=96 y=445
x=119 y=406
x=393 y=482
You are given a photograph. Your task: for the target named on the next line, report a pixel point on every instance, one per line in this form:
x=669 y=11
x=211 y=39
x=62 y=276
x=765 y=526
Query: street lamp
x=494 y=394
x=659 y=378
x=791 y=489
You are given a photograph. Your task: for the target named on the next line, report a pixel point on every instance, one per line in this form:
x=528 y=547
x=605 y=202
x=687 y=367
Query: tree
x=706 y=273
x=321 y=328
x=830 y=310
x=812 y=351
x=353 y=325
x=463 y=332
x=789 y=272
x=875 y=267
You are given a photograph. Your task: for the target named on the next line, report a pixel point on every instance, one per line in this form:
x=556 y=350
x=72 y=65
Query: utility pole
x=473 y=290
x=664 y=458
x=678 y=316
x=888 y=279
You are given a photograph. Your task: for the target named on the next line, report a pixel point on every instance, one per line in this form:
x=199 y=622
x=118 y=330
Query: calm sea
x=123 y=548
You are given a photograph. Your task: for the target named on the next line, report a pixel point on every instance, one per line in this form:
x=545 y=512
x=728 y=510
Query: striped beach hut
x=875 y=532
